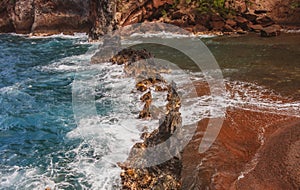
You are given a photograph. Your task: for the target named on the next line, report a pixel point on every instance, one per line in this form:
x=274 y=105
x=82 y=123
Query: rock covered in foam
x=140 y=65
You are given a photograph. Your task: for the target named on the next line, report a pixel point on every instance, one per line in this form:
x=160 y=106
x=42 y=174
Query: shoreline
x=43 y=18
x=205 y=34
x=240 y=148
x=235 y=153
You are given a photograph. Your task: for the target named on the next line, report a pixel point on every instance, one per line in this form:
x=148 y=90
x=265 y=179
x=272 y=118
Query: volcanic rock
x=231 y=22
x=256 y=27
x=242 y=23
x=270 y=31
x=265 y=21
x=228 y=28
x=260 y=11
x=162 y=174
x=22 y=16
x=251 y=17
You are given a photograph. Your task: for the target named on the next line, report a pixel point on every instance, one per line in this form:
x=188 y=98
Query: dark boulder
x=270 y=31
x=242 y=22
x=265 y=21
x=251 y=17
x=255 y=27
x=260 y=11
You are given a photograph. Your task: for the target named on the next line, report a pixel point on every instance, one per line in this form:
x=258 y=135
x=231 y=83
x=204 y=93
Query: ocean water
x=36 y=113
x=49 y=140
x=46 y=141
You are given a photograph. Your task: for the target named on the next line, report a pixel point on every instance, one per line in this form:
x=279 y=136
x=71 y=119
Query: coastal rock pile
x=39 y=17
x=138 y=170
x=229 y=18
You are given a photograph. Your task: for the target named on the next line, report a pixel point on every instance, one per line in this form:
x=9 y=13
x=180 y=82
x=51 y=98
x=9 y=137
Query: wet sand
x=279 y=162
x=254 y=150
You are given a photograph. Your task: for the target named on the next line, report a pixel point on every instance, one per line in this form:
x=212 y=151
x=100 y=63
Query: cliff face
x=212 y=15
x=285 y=12
x=98 y=17
x=102 y=15
x=44 y=17
x=60 y=16
x=6 y=24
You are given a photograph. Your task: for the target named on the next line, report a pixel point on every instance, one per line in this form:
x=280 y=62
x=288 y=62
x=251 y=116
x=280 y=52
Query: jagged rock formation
x=139 y=64
x=41 y=17
x=44 y=17
x=166 y=175
x=66 y=16
x=95 y=17
x=210 y=16
x=130 y=12
x=102 y=15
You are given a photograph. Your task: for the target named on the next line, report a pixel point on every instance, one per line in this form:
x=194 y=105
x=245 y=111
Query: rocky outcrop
x=166 y=175
x=282 y=12
x=22 y=15
x=270 y=31
x=232 y=16
x=138 y=172
x=62 y=16
x=102 y=15
x=130 y=12
x=6 y=23
x=40 y=17
x=99 y=17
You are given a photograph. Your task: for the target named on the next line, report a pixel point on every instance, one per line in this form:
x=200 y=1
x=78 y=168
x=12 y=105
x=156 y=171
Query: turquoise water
x=41 y=143
x=35 y=107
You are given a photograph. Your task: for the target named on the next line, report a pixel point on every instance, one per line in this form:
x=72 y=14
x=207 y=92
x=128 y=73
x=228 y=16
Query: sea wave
x=61 y=35
x=170 y=35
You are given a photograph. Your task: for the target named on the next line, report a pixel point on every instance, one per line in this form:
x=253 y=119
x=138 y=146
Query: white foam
x=250 y=96
x=24 y=178
x=295 y=31
x=61 y=35
x=162 y=34
x=72 y=63
x=170 y=35
x=110 y=135
x=15 y=34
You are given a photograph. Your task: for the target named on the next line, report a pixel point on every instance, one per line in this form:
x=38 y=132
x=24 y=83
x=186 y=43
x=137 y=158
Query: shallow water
x=270 y=62
x=43 y=145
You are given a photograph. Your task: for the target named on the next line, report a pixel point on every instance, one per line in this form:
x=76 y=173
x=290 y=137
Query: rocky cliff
x=98 y=17
x=44 y=17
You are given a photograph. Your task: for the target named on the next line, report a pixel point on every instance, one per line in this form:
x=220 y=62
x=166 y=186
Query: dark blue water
x=36 y=108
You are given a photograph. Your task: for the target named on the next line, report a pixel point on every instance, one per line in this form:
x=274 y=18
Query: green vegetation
x=222 y=7
x=295 y=4
x=164 y=13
